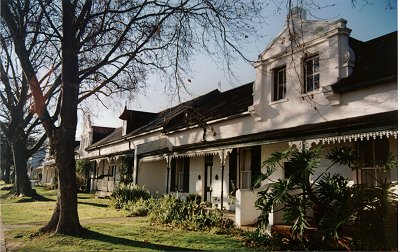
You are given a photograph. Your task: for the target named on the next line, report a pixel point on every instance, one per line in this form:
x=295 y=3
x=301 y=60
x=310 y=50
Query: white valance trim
x=198 y=153
x=345 y=138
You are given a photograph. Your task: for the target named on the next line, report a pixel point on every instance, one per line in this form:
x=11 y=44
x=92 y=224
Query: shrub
x=140 y=207
x=193 y=197
x=189 y=214
x=125 y=170
x=83 y=167
x=359 y=217
x=123 y=195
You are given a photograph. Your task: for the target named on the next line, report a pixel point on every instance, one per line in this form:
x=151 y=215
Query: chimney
x=297 y=13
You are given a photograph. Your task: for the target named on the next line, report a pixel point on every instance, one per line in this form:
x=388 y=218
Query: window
x=249 y=166
x=245 y=168
x=311 y=74
x=180 y=175
x=279 y=83
x=373 y=155
x=112 y=170
x=289 y=169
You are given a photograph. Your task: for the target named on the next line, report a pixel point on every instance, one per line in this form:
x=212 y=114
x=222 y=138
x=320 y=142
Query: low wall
x=246 y=212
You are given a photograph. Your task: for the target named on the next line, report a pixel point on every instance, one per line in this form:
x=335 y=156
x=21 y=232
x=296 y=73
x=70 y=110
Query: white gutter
x=209 y=122
x=122 y=139
x=169 y=132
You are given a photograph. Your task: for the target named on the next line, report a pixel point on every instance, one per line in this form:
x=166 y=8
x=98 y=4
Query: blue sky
x=366 y=22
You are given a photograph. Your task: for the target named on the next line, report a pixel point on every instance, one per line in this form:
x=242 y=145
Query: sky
x=366 y=22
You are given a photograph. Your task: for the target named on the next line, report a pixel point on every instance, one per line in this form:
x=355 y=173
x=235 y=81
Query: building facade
x=314 y=85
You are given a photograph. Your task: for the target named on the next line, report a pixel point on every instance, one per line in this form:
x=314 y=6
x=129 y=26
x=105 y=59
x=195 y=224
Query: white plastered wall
x=153 y=176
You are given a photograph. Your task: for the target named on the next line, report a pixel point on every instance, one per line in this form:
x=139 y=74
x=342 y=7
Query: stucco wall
x=246 y=213
x=153 y=176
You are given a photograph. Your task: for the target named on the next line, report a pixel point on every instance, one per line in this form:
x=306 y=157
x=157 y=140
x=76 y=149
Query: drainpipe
x=222 y=178
x=135 y=163
x=168 y=168
x=134 y=159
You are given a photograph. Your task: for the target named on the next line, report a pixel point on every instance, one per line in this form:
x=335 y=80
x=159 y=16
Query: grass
x=41 y=210
x=105 y=229
x=135 y=235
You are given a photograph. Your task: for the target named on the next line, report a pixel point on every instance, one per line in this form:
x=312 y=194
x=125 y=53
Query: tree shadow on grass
x=93 y=235
x=38 y=197
x=35 y=197
x=93 y=204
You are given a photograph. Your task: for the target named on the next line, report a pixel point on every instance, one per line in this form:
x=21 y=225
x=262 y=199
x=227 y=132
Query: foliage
x=125 y=194
x=284 y=242
x=189 y=214
x=126 y=170
x=193 y=197
x=83 y=167
x=140 y=207
x=358 y=217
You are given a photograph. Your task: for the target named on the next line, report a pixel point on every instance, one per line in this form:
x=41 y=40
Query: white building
x=314 y=84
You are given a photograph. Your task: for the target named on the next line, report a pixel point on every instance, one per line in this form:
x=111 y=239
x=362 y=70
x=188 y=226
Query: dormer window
x=311 y=73
x=279 y=91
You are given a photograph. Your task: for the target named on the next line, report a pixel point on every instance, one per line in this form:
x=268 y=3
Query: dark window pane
x=279 y=83
x=316 y=81
x=316 y=65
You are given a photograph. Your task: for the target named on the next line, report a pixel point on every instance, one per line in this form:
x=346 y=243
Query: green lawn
x=106 y=229
x=15 y=210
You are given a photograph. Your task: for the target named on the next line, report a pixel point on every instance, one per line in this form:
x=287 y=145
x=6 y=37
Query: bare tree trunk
x=22 y=183
x=5 y=164
x=63 y=138
x=6 y=175
x=52 y=224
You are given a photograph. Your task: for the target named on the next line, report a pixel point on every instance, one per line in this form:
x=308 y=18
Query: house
x=46 y=172
x=314 y=84
x=105 y=181
x=35 y=165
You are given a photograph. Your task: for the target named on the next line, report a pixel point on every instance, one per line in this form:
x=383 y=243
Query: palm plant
x=346 y=217
x=294 y=191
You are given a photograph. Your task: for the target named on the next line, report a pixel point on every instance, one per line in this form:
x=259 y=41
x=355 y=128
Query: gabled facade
x=103 y=177
x=314 y=85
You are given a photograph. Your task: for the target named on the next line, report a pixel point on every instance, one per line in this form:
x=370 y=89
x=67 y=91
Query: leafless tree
x=17 y=120
x=6 y=159
x=108 y=47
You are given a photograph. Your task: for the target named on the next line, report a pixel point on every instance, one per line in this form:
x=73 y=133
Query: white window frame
x=313 y=75
x=279 y=84
x=372 y=171
x=366 y=175
x=245 y=168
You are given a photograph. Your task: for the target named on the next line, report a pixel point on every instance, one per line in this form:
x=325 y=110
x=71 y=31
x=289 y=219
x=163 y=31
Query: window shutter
x=186 y=166
x=255 y=163
x=173 y=175
x=233 y=170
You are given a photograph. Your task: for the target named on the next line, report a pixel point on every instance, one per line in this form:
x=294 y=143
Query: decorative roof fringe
x=345 y=138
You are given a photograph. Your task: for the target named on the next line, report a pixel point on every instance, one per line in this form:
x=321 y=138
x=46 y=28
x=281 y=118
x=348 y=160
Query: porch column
x=222 y=155
x=168 y=159
x=135 y=165
x=222 y=181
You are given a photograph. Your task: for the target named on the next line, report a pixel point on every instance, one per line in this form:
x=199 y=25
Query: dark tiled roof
x=211 y=106
x=100 y=133
x=375 y=62
x=362 y=124
x=136 y=119
x=115 y=135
